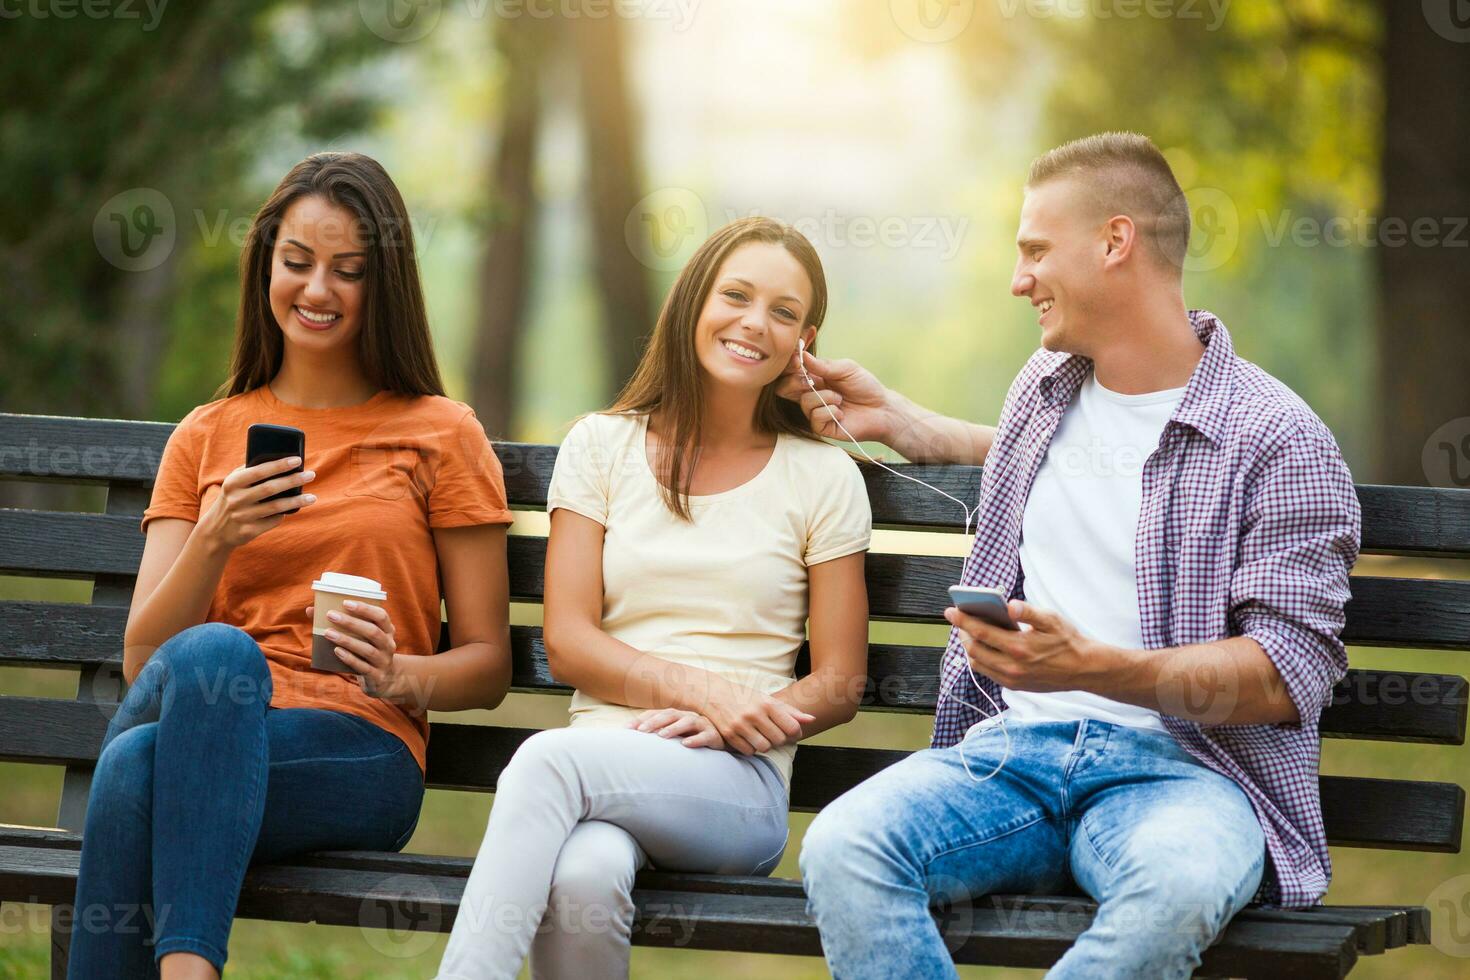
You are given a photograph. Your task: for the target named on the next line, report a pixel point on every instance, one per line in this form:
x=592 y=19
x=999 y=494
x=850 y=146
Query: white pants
x=577 y=812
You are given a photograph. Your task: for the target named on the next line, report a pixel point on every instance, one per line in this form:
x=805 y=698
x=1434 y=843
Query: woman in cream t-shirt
x=696 y=527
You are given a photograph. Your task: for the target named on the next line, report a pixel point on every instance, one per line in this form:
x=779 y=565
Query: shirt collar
x=1206 y=400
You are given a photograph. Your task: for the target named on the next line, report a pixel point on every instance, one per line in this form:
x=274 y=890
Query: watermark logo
x=665 y=227
x=400 y=21
x=1201 y=684
x=136 y=230
x=402 y=916
x=1215 y=233
x=1446 y=455
x=1450 y=19
x=932 y=21
x=1449 y=906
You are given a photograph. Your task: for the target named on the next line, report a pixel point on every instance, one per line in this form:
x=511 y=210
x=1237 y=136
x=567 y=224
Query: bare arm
x=583 y=655
x=1229 y=682
x=872 y=412
x=838 y=639
x=475 y=672
x=183 y=560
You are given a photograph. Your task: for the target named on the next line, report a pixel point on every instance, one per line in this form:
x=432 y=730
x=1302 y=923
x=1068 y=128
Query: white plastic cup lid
x=354 y=585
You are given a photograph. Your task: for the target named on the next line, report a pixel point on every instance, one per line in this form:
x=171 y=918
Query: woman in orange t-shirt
x=230 y=748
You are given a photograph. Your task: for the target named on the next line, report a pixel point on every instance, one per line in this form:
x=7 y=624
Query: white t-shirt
x=1078 y=532
x=727 y=592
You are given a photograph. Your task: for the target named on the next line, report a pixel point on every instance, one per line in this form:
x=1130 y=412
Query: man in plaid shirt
x=1175 y=529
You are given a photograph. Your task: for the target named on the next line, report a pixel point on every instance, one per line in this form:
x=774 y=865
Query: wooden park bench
x=421 y=892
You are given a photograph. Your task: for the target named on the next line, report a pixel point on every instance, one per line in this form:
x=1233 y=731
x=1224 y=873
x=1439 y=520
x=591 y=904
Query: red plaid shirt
x=1249 y=527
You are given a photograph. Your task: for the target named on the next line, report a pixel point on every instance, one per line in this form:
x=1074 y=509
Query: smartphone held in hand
x=987 y=604
x=264 y=443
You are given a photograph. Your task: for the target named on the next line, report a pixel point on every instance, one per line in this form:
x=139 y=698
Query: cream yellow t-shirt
x=728 y=592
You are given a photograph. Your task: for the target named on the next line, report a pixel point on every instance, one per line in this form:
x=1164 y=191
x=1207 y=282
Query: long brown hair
x=668 y=377
x=394 y=346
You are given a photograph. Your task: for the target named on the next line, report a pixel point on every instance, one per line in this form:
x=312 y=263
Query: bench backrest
x=1386 y=705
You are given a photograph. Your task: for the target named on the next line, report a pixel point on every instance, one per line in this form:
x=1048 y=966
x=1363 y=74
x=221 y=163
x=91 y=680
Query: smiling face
x=1062 y=251
x=753 y=316
x=317 y=268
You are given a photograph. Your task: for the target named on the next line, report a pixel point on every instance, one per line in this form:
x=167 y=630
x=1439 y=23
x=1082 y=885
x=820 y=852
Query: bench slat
x=1379 y=927
x=1394 y=706
x=907 y=588
x=999 y=931
x=1359 y=812
x=1396 y=520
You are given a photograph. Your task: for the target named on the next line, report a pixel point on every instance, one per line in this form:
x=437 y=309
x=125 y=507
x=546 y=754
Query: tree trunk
x=614 y=187
x=1423 y=398
x=505 y=268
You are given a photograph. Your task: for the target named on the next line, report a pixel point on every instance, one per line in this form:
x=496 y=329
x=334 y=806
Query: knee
x=543 y=751
x=222 y=659
x=829 y=850
x=121 y=793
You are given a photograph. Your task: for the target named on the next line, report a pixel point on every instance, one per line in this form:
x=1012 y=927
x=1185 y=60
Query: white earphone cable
x=970 y=515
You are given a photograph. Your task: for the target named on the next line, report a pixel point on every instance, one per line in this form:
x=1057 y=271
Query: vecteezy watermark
x=90 y=9
x=403 y=21
x=1446 y=455
x=1449 y=905
x=1364 y=230
x=665 y=227
x=1212 y=12
x=1200 y=683
x=135 y=230
x=401 y=916
x=833 y=229
x=1215 y=229
x=932 y=21
x=1450 y=19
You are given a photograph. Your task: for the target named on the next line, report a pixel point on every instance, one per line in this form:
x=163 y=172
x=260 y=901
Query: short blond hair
x=1126 y=174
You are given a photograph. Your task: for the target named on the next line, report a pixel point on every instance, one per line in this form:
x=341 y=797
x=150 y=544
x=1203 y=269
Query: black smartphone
x=264 y=443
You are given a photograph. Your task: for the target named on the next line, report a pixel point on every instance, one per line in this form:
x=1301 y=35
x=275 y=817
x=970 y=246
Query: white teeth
x=318 y=317
x=754 y=355
x=1046 y=306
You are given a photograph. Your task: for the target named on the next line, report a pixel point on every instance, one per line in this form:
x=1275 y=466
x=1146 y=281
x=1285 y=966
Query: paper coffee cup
x=331 y=590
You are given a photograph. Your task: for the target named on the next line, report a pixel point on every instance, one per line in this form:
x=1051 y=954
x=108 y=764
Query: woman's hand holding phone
x=749 y=721
x=239 y=514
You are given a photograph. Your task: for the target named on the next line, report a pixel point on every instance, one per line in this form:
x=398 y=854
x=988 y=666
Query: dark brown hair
x=668 y=377
x=1126 y=174
x=393 y=345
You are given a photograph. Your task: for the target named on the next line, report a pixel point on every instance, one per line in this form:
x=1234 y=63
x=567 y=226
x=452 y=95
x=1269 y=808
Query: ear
x=1120 y=236
x=809 y=337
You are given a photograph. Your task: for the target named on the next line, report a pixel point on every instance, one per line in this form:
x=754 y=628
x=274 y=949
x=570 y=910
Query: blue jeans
x=198 y=778
x=1169 y=849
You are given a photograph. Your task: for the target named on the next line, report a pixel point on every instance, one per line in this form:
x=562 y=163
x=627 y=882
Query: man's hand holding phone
x=241 y=513
x=1037 y=651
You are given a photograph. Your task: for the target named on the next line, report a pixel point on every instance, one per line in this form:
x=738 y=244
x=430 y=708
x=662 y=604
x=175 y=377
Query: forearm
x=1229 y=682
x=181 y=600
x=832 y=696
x=475 y=675
x=610 y=670
x=922 y=436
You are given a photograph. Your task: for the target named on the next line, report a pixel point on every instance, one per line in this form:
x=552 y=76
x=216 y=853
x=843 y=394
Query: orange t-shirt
x=387 y=472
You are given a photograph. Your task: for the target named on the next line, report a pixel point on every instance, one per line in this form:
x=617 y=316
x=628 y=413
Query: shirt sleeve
x=176 y=486
x=469 y=487
x=579 y=481
x=1300 y=537
x=842 y=522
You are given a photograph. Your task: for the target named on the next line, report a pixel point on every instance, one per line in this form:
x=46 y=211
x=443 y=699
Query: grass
x=453 y=822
